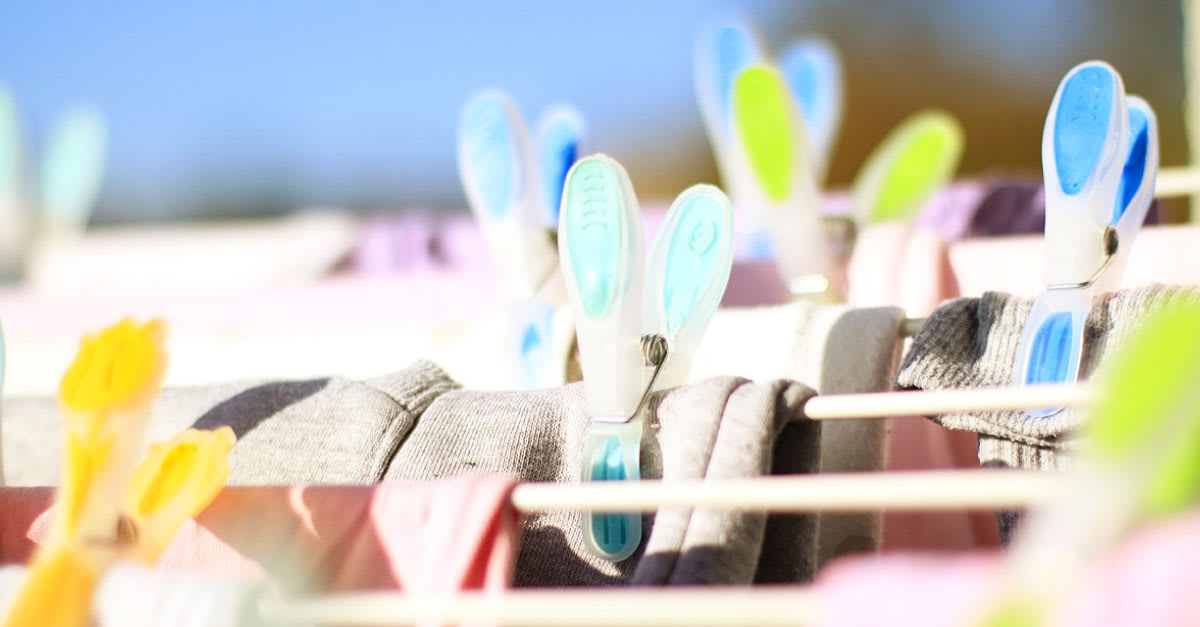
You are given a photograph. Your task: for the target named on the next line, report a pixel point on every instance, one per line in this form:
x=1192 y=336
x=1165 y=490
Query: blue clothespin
x=561 y=141
x=1100 y=161
x=500 y=180
x=627 y=323
x=813 y=71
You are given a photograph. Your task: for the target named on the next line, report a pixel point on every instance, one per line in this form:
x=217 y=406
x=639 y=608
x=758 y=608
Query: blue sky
x=264 y=105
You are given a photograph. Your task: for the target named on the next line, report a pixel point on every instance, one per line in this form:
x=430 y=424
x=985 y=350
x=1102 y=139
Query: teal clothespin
x=73 y=170
x=1100 y=161
x=626 y=322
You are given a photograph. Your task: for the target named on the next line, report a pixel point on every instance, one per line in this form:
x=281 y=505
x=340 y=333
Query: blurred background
x=227 y=109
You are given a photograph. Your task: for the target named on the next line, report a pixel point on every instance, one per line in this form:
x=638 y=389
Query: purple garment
x=988 y=209
x=395 y=243
x=950 y=211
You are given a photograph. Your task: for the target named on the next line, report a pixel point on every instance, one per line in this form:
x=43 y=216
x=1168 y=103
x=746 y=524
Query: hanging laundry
x=972 y=342
x=429 y=537
x=895 y=263
x=989 y=208
x=719 y=428
x=832 y=349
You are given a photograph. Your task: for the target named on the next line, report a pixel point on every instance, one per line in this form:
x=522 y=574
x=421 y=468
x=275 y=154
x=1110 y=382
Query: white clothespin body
x=500 y=181
x=687 y=274
x=561 y=140
x=814 y=73
x=771 y=156
x=1100 y=160
x=628 y=338
x=601 y=251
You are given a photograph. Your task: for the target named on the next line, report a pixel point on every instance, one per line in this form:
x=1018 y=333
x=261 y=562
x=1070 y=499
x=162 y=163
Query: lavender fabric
x=1015 y=208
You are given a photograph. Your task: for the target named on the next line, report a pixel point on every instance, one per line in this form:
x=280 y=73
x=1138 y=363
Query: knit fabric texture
x=833 y=349
x=319 y=431
x=720 y=428
x=973 y=342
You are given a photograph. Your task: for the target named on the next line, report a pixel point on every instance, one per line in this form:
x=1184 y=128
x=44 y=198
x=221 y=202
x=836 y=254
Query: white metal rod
x=1177 y=181
x=929 y=403
x=911 y=326
x=710 y=606
x=863 y=491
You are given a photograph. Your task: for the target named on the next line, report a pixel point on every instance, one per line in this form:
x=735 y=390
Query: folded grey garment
x=130 y=595
x=720 y=428
x=973 y=342
x=833 y=349
x=320 y=431
x=418 y=424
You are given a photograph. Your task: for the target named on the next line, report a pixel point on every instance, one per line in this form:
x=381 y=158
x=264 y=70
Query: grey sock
x=973 y=342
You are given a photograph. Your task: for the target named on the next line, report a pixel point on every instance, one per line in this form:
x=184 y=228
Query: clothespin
x=1100 y=160
x=814 y=73
x=72 y=171
x=501 y=183
x=775 y=180
x=12 y=166
x=561 y=141
x=109 y=505
x=913 y=162
x=627 y=323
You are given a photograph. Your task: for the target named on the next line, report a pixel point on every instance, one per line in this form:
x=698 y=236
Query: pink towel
x=1148 y=580
x=425 y=537
x=897 y=264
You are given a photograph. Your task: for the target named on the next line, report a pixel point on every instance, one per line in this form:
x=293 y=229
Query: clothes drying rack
x=720 y=605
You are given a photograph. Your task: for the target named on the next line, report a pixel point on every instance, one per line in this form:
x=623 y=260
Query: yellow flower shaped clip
x=119 y=367
x=106 y=508
x=106 y=395
x=176 y=481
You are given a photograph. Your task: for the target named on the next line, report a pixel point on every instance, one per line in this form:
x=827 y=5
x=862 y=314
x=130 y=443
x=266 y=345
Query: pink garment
x=897 y=264
x=1148 y=580
x=426 y=537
